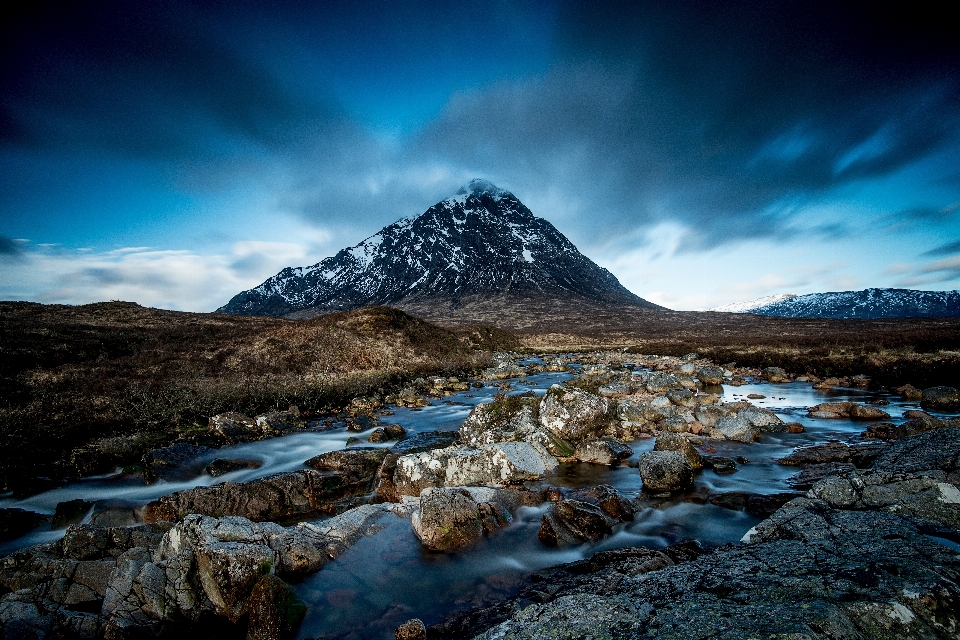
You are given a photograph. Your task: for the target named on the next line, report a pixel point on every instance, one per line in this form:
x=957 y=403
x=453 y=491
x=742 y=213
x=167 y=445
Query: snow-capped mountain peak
x=482 y=240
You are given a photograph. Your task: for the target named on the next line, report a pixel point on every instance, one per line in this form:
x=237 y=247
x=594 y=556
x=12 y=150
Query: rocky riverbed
x=455 y=496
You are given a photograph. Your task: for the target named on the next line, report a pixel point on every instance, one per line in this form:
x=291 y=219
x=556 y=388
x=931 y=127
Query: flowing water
x=387 y=578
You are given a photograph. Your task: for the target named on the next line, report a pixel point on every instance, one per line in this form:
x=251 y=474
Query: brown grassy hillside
x=71 y=374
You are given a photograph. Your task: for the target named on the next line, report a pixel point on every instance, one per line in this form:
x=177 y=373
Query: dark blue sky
x=174 y=153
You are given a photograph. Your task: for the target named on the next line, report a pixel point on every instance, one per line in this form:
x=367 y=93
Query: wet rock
x=667 y=441
x=277 y=423
x=222 y=466
x=507 y=419
x=658 y=382
x=608 y=499
x=710 y=375
x=16 y=522
x=763 y=419
x=284 y=495
x=707 y=415
x=114 y=513
x=171 y=463
x=850 y=410
x=492 y=464
x=379 y=435
x=571 y=414
x=817 y=472
x=603 y=451
x=720 y=464
x=756 y=504
x=665 y=471
x=614 y=389
x=573 y=522
x=682 y=398
x=357 y=466
x=395 y=432
x=817 y=454
x=448 y=518
x=235 y=427
x=70 y=512
x=795 y=427
x=229 y=570
x=890 y=431
x=940 y=398
x=274 y=611
x=411 y=630
x=909 y=392
x=736 y=428
x=934 y=449
x=425 y=441
x=776 y=374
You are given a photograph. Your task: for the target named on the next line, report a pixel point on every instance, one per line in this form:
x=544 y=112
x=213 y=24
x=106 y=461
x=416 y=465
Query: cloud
x=180 y=280
x=936 y=272
x=10 y=248
x=947 y=249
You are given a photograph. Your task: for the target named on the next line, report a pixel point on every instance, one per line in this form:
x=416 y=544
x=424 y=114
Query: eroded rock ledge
x=869 y=554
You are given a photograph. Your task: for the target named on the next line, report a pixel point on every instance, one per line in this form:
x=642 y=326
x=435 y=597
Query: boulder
x=710 y=376
x=572 y=414
x=614 y=389
x=665 y=471
x=940 y=398
x=70 y=512
x=277 y=423
x=720 y=464
x=909 y=392
x=274 y=612
x=707 y=415
x=573 y=522
x=358 y=465
x=448 y=518
x=736 y=428
x=234 y=427
x=864 y=412
x=667 y=441
x=763 y=419
x=775 y=374
x=682 y=398
x=492 y=464
x=413 y=629
x=603 y=451
x=658 y=382
x=510 y=418
x=228 y=572
x=222 y=466
x=890 y=431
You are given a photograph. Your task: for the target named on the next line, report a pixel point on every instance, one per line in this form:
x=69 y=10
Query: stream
x=387 y=578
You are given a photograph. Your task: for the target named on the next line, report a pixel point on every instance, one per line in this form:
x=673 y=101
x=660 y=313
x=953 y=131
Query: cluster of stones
x=864 y=554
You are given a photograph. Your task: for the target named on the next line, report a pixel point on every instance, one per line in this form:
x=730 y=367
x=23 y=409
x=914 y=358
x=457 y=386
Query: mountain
x=480 y=243
x=752 y=305
x=869 y=304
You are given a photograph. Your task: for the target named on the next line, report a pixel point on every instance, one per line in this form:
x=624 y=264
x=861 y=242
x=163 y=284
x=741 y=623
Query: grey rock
x=667 y=441
x=665 y=471
x=571 y=414
x=710 y=375
x=814 y=473
x=736 y=428
x=603 y=451
x=940 y=398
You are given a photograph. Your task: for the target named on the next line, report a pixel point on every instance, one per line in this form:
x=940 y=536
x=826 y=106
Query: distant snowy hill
x=746 y=307
x=480 y=241
x=869 y=304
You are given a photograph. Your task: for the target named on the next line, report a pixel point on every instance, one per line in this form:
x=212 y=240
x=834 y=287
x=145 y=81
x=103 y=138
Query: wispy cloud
x=180 y=280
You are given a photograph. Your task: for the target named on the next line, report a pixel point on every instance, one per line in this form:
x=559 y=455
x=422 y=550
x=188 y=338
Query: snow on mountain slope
x=745 y=307
x=482 y=239
x=869 y=304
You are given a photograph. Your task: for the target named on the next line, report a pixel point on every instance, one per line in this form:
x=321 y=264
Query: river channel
x=387 y=577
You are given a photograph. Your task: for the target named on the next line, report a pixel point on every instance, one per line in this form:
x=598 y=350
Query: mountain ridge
x=865 y=304
x=480 y=241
